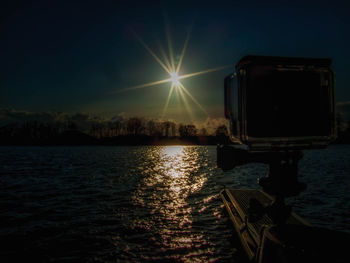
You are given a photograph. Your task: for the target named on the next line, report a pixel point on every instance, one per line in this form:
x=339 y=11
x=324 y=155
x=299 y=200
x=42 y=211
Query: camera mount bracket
x=280 y=182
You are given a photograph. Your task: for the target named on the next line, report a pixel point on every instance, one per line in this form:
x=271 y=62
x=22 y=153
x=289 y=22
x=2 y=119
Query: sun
x=172 y=68
x=175 y=79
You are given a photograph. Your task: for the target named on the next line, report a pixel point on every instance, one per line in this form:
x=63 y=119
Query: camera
x=281 y=103
x=277 y=107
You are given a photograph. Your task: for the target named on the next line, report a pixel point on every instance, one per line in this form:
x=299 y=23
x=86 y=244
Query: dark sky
x=72 y=55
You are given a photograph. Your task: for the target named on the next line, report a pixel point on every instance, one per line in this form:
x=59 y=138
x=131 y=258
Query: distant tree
x=173 y=129
x=72 y=126
x=94 y=130
x=203 y=132
x=169 y=128
x=97 y=129
x=181 y=129
x=151 y=128
x=134 y=126
x=166 y=128
x=119 y=127
x=109 y=130
x=192 y=130
x=187 y=130
x=102 y=129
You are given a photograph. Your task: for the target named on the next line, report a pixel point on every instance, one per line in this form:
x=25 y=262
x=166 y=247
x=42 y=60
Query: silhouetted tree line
x=119 y=131
x=343 y=127
x=80 y=130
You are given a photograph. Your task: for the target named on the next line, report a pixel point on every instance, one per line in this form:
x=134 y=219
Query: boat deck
x=237 y=204
x=297 y=240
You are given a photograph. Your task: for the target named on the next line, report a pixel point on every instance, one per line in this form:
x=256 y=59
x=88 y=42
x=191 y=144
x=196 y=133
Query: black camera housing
x=277 y=103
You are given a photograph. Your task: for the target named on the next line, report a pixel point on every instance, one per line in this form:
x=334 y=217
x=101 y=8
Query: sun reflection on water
x=168 y=181
x=173 y=151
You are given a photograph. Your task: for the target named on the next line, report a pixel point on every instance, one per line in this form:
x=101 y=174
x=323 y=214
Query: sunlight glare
x=174 y=78
x=167 y=100
x=174 y=151
x=194 y=100
x=173 y=70
x=185 y=102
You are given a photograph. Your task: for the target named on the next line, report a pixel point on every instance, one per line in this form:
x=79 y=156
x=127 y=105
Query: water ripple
x=137 y=204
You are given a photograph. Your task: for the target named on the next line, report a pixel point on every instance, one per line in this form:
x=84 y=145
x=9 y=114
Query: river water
x=145 y=203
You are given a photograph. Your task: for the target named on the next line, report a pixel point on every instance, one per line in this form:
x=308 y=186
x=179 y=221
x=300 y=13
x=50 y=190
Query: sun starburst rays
x=151 y=84
x=164 y=55
x=193 y=99
x=185 y=102
x=173 y=69
x=183 y=52
x=152 y=53
x=170 y=47
x=167 y=100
